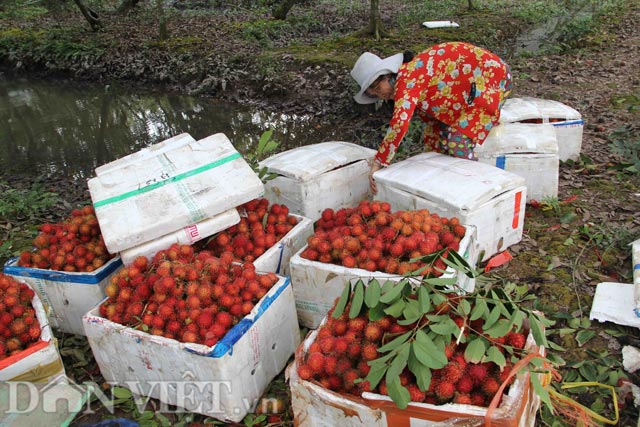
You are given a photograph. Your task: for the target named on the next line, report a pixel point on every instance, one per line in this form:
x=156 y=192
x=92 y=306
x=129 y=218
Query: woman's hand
x=375 y=167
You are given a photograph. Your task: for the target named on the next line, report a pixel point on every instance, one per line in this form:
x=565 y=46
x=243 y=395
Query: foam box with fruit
x=187 y=317
x=68 y=268
x=489 y=198
x=267 y=235
x=370 y=240
x=403 y=355
x=28 y=350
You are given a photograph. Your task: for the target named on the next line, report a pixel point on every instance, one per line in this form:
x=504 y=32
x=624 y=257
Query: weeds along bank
x=237 y=51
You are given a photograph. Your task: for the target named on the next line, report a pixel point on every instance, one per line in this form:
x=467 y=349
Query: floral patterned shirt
x=455 y=83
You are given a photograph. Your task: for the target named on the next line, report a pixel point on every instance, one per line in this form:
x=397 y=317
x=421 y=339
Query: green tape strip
x=171 y=180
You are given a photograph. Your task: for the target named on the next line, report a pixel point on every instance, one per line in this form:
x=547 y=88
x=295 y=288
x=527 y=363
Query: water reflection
x=55 y=127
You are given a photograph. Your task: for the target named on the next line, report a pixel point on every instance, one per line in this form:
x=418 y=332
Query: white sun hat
x=368 y=68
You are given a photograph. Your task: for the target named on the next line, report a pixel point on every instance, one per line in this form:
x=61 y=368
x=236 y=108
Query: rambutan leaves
x=433 y=320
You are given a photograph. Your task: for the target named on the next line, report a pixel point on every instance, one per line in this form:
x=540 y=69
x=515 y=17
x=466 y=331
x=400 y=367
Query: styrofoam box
x=316 y=285
x=530 y=151
x=186 y=235
x=478 y=194
x=41 y=362
x=316 y=406
x=224 y=381
x=567 y=121
x=67 y=296
x=276 y=259
x=144 y=197
x=315 y=177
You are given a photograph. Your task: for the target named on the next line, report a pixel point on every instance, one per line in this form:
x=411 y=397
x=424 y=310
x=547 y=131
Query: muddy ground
x=568 y=246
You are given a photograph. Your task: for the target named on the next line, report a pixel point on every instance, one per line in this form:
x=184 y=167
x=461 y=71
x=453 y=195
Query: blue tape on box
x=11 y=267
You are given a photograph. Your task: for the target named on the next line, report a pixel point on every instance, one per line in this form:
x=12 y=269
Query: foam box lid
x=520 y=138
x=149 y=195
x=525 y=108
x=448 y=180
x=307 y=162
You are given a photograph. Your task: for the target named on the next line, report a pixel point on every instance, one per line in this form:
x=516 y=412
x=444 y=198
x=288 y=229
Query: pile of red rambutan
x=73 y=245
x=19 y=327
x=192 y=297
x=373 y=238
x=260 y=227
x=339 y=359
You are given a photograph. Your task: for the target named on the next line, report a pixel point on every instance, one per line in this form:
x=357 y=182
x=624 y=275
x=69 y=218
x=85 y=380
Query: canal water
x=54 y=127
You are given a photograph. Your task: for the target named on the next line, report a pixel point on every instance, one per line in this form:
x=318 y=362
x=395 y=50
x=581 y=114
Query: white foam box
x=316 y=406
x=316 y=285
x=566 y=121
x=530 y=151
x=41 y=362
x=277 y=258
x=224 y=381
x=186 y=235
x=312 y=178
x=148 y=195
x=67 y=296
x=489 y=198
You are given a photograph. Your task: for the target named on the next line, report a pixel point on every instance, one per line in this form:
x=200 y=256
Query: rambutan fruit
x=327 y=344
x=490 y=387
x=343 y=365
x=444 y=390
x=478 y=399
x=354 y=349
x=34 y=332
x=330 y=364
x=373 y=332
x=357 y=324
x=18 y=327
x=462 y=398
x=415 y=393
x=453 y=372
x=173 y=327
x=477 y=372
x=189 y=337
x=465 y=385
x=348 y=379
x=316 y=361
x=369 y=351
x=205 y=319
x=516 y=340
x=305 y=372
x=341 y=345
x=339 y=327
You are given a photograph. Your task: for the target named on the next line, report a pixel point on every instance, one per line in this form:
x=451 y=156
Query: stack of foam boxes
x=182 y=191
x=533 y=137
x=486 y=199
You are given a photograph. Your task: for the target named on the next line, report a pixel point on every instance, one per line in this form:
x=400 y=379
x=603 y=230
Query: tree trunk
x=90 y=15
x=375 y=26
x=162 y=30
x=282 y=8
x=126 y=5
x=470 y=3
